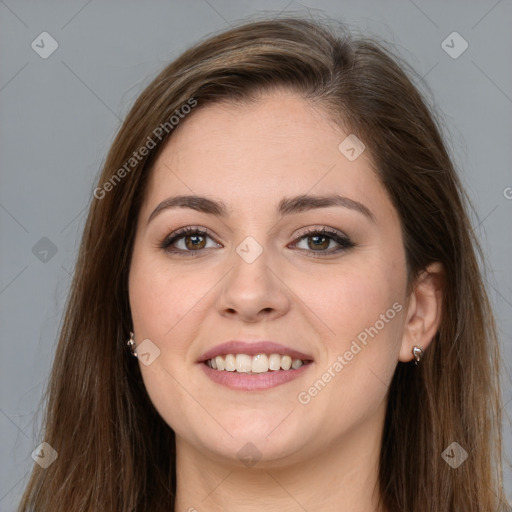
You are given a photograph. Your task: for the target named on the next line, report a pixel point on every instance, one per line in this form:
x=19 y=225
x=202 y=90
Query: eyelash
x=342 y=240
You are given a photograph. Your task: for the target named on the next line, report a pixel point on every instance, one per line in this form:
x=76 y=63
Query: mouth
x=253 y=366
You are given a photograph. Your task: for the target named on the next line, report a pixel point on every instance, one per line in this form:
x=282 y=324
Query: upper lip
x=252 y=348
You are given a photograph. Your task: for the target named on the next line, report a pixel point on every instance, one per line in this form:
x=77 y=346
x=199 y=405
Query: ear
x=424 y=311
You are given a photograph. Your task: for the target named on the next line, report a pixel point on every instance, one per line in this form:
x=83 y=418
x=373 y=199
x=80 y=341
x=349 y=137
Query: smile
x=253 y=365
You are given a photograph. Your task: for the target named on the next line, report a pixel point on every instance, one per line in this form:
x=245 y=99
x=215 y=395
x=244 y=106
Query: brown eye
x=318 y=242
x=323 y=242
x=187 y=241
x=194 y=242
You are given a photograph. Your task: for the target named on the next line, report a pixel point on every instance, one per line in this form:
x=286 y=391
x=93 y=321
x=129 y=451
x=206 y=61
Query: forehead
x=249 y=154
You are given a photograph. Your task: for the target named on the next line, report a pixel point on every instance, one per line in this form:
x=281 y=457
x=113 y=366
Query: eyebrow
x=286 y=206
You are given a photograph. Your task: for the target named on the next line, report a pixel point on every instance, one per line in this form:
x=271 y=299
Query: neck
x=342 y=477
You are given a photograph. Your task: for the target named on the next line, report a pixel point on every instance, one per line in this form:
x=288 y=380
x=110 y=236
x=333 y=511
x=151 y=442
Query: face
x=322 y=283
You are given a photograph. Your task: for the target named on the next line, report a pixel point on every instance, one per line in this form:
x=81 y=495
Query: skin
x=322 y=455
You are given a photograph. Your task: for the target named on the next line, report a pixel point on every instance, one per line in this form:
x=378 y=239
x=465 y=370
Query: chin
x=262 y=441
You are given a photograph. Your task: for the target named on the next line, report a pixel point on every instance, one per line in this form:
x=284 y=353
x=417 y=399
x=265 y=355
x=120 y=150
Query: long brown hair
x=115 y=453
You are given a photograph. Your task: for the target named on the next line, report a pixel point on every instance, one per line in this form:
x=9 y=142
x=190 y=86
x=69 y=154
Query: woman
x=277 y=302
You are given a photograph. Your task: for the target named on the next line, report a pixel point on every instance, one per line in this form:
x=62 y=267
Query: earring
x=131 y=344
x=417 y=353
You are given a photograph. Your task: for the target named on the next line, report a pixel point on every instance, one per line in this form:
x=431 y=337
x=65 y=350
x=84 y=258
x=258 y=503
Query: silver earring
x=131 y=344
x=417 y=353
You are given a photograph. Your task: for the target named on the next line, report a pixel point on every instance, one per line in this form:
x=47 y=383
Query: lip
x=252 y=348
x=252 y=381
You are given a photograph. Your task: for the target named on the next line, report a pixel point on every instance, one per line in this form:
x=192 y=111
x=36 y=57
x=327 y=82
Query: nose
x=253 y=292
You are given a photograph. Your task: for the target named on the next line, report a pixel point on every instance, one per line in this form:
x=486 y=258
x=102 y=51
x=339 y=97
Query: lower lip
x=252 y=381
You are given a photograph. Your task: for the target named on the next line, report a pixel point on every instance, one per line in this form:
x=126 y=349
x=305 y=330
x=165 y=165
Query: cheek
x=364 y=312
x=162 y=304
x=159 y=297
x=352 y=301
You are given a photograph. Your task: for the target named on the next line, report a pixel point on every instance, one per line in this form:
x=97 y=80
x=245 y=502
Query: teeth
x=229 y=363
x=243 y=363
x=274 y=362
x=286 y=362
x=296 y=363
x=260 y=363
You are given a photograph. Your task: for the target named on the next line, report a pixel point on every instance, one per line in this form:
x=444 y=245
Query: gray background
x=59 y=116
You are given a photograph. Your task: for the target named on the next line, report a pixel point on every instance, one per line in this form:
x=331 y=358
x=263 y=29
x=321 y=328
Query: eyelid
x=184 y=231
x=321 y=229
